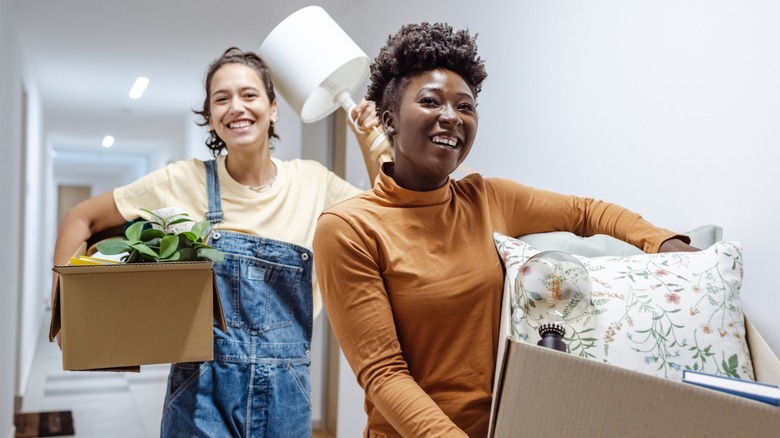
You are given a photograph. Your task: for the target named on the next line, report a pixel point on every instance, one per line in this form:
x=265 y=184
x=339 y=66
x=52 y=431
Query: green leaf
x=133 y=232
x=190 y=236
x=113 y=246
x=173 y=258
x=160 y=220
x=153 y=243
x=145 y=250
x=132 y=257
x=733 y=361
x=151 y=213
x=212 y=254
x=201 y=229
x=149 y=234
x=187 y=254
x=168 y=246
x=180 y=220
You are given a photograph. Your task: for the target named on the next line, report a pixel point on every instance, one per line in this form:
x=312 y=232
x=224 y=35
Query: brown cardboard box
x=123 y=316
x=543 y=392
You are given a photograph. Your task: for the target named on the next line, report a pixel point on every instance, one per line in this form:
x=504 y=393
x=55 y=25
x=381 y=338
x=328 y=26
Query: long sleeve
x=527 y=210
x=362 y=319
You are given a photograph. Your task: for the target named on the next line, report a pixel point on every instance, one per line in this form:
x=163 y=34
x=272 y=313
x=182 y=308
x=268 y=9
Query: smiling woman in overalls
x=264 y=213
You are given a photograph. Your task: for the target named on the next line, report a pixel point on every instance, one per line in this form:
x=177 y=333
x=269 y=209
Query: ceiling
x=84 y=56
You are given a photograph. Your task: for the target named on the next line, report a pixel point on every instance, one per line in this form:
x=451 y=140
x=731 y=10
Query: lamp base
x=552 y=336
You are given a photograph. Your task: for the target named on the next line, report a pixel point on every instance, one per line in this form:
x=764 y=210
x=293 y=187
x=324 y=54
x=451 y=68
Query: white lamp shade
x=312 y=61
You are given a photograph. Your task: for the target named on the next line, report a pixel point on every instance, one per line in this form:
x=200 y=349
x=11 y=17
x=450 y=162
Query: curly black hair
x=233 y=55
x=416 y=48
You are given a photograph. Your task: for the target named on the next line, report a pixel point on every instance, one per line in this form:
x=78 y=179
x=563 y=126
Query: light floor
x=104 y=404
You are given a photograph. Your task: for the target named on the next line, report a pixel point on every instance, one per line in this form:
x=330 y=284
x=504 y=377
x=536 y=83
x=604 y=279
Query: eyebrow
x=439 y=89
x=240 y=90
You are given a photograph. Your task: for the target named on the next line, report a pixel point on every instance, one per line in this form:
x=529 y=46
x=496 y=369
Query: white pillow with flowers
x=653 y=313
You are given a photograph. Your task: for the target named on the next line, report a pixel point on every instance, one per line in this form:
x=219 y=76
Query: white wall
x=35 y=284
x=10 y=198
x=668 y=108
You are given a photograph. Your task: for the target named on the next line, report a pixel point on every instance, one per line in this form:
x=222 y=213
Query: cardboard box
x=123 y=316
x=543 y=392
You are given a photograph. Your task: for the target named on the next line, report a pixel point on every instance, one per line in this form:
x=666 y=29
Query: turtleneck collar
x=386 y=188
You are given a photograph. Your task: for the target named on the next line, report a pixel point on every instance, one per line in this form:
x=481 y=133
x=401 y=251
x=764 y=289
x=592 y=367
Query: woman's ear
x=388 y=122
x=274 y=114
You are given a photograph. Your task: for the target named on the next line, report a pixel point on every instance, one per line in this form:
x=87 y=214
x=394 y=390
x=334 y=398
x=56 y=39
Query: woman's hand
x=676 y=245
x=364 y=114
x=365 y=117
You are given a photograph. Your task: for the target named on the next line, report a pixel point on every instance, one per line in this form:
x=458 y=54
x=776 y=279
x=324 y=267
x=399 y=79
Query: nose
x=235 y=105
x=450 y=116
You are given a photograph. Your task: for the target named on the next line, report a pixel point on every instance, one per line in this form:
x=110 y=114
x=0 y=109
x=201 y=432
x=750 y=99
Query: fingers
x=365 y=115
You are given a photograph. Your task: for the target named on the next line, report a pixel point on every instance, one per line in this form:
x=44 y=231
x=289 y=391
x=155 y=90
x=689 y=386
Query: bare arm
x=365 y=114
x=79 y=223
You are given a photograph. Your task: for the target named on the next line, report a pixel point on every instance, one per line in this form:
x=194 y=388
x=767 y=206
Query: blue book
x=746 y=388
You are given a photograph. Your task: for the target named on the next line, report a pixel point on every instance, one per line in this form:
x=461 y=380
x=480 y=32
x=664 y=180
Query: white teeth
x=447 y=141
x=240 y=124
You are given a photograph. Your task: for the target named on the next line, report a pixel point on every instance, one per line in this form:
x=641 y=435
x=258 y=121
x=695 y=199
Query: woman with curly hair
x=409 y=272
x=263 y=211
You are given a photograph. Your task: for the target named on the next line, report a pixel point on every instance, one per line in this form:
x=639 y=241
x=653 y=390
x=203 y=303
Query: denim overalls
x=258 y=384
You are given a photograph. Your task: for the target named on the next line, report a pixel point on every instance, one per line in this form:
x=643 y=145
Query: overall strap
x=214 y=214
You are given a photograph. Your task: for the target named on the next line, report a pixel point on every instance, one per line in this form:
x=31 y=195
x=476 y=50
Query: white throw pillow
x=653 y=313
x=602 y=245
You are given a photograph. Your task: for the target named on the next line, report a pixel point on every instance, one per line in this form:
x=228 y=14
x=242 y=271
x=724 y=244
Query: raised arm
x=365 y=114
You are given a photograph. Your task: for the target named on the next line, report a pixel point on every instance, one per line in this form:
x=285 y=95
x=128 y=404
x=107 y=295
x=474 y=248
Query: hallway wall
x=10 y=165
x=35 y=280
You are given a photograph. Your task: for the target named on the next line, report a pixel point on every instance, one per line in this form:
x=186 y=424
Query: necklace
x=264 y=187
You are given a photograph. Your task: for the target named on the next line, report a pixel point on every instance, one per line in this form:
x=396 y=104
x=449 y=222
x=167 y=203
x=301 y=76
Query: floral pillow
x=653 y=313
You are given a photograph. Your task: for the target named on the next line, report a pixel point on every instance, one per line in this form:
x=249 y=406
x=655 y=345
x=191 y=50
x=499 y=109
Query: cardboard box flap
x=557 y=394
x=133 y=267
x=54 y=325
x=219 y=315
x=766 y=366
x=56 y=321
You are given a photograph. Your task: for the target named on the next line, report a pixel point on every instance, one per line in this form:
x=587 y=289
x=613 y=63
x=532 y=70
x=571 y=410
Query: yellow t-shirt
x=287 y=211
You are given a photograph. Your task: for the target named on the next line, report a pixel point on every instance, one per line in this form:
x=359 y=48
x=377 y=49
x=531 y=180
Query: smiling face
x=240 y=110
x=435 y=126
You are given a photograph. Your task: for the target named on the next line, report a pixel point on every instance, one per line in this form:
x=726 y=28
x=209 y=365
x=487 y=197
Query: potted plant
x=161 y=240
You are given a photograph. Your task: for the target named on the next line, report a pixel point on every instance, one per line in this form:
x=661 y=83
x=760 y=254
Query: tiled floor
x=120 y=405
x=116 y=405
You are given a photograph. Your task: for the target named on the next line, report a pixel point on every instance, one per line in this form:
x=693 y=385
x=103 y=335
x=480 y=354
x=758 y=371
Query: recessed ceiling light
x=108 y=141
x=138 y=87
